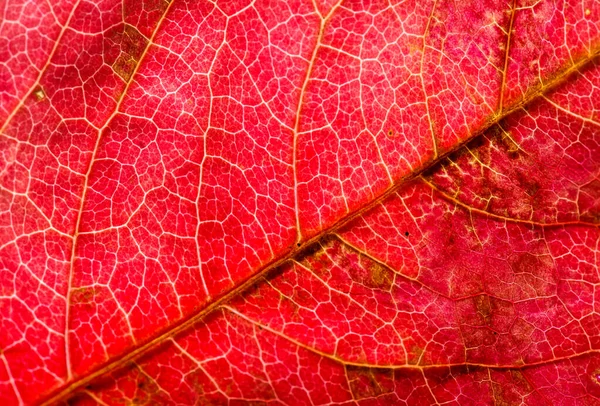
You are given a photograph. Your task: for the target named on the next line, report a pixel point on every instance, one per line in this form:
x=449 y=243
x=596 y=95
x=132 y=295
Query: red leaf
x=299 y=202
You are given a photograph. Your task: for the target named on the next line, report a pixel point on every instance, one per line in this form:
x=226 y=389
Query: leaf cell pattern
x=299 y=202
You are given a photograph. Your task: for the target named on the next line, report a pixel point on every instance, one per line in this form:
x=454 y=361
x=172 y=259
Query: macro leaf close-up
x=300 y=202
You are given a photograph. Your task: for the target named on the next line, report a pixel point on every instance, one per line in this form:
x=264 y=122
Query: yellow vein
x=85 y=189
x=305 y=82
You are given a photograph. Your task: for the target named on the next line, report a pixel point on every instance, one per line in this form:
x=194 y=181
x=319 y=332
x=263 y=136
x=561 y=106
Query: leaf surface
x=300 y=202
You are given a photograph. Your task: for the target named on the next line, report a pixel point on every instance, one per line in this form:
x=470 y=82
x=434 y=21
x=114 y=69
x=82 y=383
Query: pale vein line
x=204 y=158
x=401 y=366
x=332 y=289
x=18 y=107
x=430 y=120
x=11 y=379
x=352 y=298
x=571 y=113
x=311 y=64
x=506 y=56
x=198 y=364
x=346 y=377
x=95 y=398
x=484 y=213
x=42 y=70
x=370 y=257
x=429 y=387
x=85 y=189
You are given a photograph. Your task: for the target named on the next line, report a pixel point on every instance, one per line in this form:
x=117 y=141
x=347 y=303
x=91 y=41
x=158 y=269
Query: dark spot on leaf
x=513 y=154
x=406 y=233
x=310 y=250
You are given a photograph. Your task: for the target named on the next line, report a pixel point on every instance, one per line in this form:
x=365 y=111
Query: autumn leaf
x=299 y=202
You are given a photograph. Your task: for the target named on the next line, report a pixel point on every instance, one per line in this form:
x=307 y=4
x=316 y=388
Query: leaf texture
x=299 y=202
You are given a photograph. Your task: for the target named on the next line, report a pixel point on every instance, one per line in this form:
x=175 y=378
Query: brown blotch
x=506 y=395
x=527 y=184
x=588 y=202
x=313 y=250
x=132 y=9
x=84 y=296
x=125 y=47
x=511 y=148
x=124 y=67
x=381 y=277
x=369 y=382
x=147 y=390
x=330 y=251
x=476 y=144
x=364 y=270
x=414 y=354
x=315 y=258
x=521 y=332
x=39 y=94
x=79 y=398
x=195 y=380
x=484 y=307
x=518 y=376
x=526 y=263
